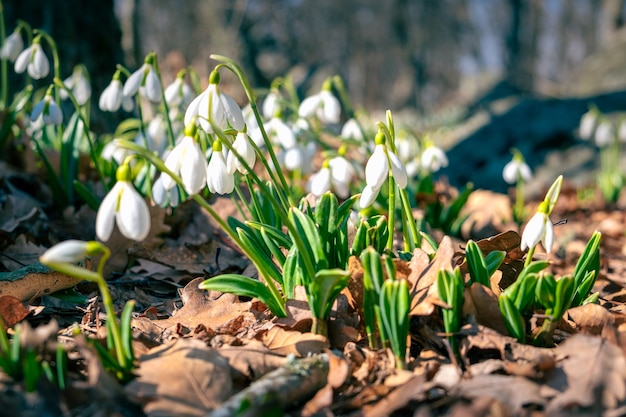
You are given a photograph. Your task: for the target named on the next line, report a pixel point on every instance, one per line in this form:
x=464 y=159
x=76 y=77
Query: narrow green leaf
x=493 y=260
x=513 y=319
x=247 y=287
x=476 y=264
x=324 y=289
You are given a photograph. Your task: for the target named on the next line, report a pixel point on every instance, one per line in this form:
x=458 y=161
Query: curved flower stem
x=92 y=150
x=166 y=110
x=518 y=211
x=55 y=59
x=231 y=65
x=391 y=215
x=529 y=256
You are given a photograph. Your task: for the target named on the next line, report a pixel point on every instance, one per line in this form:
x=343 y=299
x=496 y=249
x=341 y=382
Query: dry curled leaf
x=287 y=342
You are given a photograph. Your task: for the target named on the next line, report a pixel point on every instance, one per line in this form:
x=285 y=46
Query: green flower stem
x=231 y=65
x=55 y=59
x=529 y=256
x=166 y=110
x=107 y=301
x=391 y=215
x=416 y=239
x=92 y=150
x=344 y=96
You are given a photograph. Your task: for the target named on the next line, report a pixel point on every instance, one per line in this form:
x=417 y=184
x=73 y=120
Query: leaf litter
x=202 y=353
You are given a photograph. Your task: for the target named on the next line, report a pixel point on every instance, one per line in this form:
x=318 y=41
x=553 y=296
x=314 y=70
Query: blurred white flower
x=178 y=93
x=79 y=84
x=33 y=59
x=49 y=111
x=352 y=130
x=324 y=105
x=515 y=169
x=605 y=133
x=587 y=125
x=126 y=207
x=13 y=45
x=433 y=159
x=377 y=171
x=113 y=152
x=319 y=182
x=68 y=251
x=146 y=81
x=271 y=104
x=112 y=97
x=163 y=197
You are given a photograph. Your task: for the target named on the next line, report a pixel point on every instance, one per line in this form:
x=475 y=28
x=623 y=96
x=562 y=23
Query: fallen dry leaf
x=592 y=373
x=183 y=378
x=34 y=280
x=423 y=277
x=252 y=360
x=591 y=318
x=287 y=342
x=481 y=302
x=12 y=311
x=514 y=392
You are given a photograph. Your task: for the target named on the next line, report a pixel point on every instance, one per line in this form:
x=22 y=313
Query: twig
x=288 y=385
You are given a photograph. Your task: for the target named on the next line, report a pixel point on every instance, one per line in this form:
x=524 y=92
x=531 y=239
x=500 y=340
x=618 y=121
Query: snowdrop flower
x=324 y=105
x=539 y=228
x=13 y=45
x=516 y=169
x=48 y=109
x=112 y=96
x=320 y=183
x=187 y=161
x=126 y=207
x=79 y=84
x=271 y=104
x=145 y=80
x=218 y=179
x=178 y=93
x=352 y=130
x=157 y=134
x=342 y=174
x=224 y=110
x=282 y=134
x=433 y=159
x=298 y=157
x=33 y=59
x=163 y=197
x=113 y=152
x=68 y=251
x=377 y=171
x=245 y=149
x=605 y=133
x=588 y=123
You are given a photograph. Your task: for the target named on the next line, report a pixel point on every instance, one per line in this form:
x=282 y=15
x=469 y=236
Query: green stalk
x=392 y=210
x=3 y=63
x=166 y=110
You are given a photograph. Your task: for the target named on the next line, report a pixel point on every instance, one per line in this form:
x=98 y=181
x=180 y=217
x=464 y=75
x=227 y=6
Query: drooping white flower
x=146 y=81
x=244 y=148
x=516 y=168
x=157 y=134
x=538 y=229
x=186 y=160
x=112 y=96
x=218 y=179
x=68 y=251
x=48 y=109
x=588 y=123
x=271 y=104
x=34 y=59
x=113 y=152
x=320 y=182
x=79 y=84
x=352 y=130
x=433 y=159
x=126 y=207
x=605 y=133
x=178 y=93
x=324 y=105
x=163 y=197
x=13 y=45
x=224 y=110
x=377 y=171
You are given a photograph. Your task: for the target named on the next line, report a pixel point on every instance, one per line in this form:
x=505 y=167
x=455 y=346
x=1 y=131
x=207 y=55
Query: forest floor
x=196 y=350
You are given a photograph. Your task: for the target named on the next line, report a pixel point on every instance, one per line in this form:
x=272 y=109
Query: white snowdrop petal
x=39 y=67
x=105 y=219
x=320 y=182
x=133 y=217
x=377 y=168
x=548 y=237
x=368 y=196
x=509 y=172
x=22 y=61
x=232 y=112
x=68 y=251
x=398 y=171
x=534 y=231
x=153 y=87
x=330 y=111
x=309 y=106
x=132 y=84
x=37 y=110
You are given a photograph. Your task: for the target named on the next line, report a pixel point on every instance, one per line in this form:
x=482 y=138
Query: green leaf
x=324 y=289
x=493 y=260
x=476 y=264
x=247 y=287
x=565 y=288
x=292 y=273
x=545 y=290
x=87 y=195
x=513 y=319
x=526 y=291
